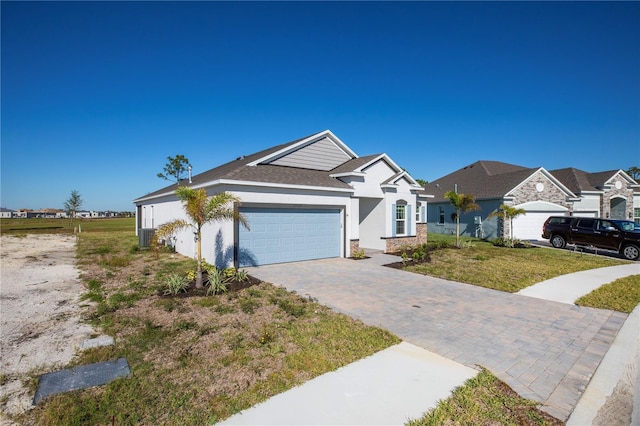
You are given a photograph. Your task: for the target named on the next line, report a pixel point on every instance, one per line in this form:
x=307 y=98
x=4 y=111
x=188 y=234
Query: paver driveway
x=546 y=351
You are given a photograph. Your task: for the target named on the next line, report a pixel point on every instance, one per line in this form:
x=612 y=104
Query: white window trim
x=403 y=208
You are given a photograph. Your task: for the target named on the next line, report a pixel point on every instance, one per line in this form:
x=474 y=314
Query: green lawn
x=621 y=295
x=485 y=400
x=64 y=226
x=507 y=269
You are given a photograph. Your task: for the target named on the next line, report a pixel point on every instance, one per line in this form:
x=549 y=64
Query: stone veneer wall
x=625 y=191
x=528 y=192
x=394 y=244
x=354 y=245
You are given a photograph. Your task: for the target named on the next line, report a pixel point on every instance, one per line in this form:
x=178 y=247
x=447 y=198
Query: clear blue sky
x=96 y=95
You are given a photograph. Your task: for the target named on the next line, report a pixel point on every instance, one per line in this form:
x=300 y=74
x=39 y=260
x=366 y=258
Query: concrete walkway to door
x=546 y=351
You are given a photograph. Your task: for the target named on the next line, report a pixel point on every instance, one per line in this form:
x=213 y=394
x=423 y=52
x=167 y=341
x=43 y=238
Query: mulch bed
x=409 y=262
x=232 y=287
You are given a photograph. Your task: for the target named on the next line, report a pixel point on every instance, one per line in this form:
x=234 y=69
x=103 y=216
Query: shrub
x=510 y=243
x=358 y=254
x=241 y=275
x=175 y=283
x=216 y=282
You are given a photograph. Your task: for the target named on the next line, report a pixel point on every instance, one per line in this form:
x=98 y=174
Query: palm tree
x=201 y=209
x=462 y=203
x=506 y=212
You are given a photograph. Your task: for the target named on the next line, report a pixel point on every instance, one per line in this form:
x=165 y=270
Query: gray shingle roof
x=482 y=179
x=354 y=164
x=239 y=170
x=493 y=179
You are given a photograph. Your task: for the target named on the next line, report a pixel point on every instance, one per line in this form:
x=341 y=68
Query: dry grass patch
x=197 y=359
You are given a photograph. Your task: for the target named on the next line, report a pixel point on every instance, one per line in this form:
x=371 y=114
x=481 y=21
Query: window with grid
x=401 y=219
x=441 y=217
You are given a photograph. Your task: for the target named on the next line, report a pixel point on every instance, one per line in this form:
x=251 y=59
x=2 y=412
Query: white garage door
x=529 y=226
x=279 y=235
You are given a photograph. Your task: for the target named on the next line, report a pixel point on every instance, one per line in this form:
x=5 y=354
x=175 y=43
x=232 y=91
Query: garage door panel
x=529 y=226
x=287 y=235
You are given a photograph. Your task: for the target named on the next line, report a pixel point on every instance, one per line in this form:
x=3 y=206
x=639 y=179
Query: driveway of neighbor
x=546 y=351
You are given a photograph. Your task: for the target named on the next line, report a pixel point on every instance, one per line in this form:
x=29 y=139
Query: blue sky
x=96 y=95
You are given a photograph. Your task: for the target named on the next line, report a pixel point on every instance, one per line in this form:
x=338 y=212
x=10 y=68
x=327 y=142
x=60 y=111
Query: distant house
x=306 y=199
x=6 y=213
x=539 y=192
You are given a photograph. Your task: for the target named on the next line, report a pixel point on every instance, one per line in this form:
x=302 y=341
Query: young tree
x=201 y=209
x=462 y=203
x=175 y=168
x=509 y=213
x=72 y=205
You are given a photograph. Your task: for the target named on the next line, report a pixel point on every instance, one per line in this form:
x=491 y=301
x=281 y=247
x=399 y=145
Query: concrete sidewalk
x=388 y=388
x=405 y=381
x=569 y=288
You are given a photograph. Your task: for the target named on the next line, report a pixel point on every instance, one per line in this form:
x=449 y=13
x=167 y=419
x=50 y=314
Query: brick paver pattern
x=546 y=351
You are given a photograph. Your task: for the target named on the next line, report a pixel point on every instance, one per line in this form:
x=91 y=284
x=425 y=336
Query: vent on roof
x=240 y=158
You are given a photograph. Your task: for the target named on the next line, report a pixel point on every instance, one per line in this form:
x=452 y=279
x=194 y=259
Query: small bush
x=467 y=244
x=216 y=282
x=510 y=243
x=358 y=254
x=175 y=283
x=241 y=275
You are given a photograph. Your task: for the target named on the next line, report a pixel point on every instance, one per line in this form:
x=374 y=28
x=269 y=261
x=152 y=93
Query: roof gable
x=549 y=177
x=321 y=151
x=323 y=154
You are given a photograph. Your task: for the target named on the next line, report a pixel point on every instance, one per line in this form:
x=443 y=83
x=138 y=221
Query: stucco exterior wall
x=372 y=215
x=218 y=238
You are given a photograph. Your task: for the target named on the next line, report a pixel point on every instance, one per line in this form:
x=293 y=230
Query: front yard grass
x=621 y=295
x=485 y=400
x=198 y=359
x=506 y=269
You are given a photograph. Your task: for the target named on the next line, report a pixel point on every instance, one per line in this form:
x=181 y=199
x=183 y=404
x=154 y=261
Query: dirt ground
x=40 y=315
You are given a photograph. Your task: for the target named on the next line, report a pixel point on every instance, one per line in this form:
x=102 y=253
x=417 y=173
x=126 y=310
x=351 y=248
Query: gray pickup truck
x=622 y=236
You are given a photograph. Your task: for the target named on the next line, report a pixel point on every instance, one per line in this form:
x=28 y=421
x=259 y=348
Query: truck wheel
x=558 y=241
x=631 y=252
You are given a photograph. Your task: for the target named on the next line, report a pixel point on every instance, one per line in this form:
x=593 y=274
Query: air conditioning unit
x=145 y=236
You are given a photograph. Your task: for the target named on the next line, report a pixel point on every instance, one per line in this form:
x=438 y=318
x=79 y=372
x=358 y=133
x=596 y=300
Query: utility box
x=145 y=236
x=477 y=220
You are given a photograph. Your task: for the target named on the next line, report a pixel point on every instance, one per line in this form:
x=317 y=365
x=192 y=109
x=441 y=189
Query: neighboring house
x=307 y=199
x=539 y=192
x=6 y=213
